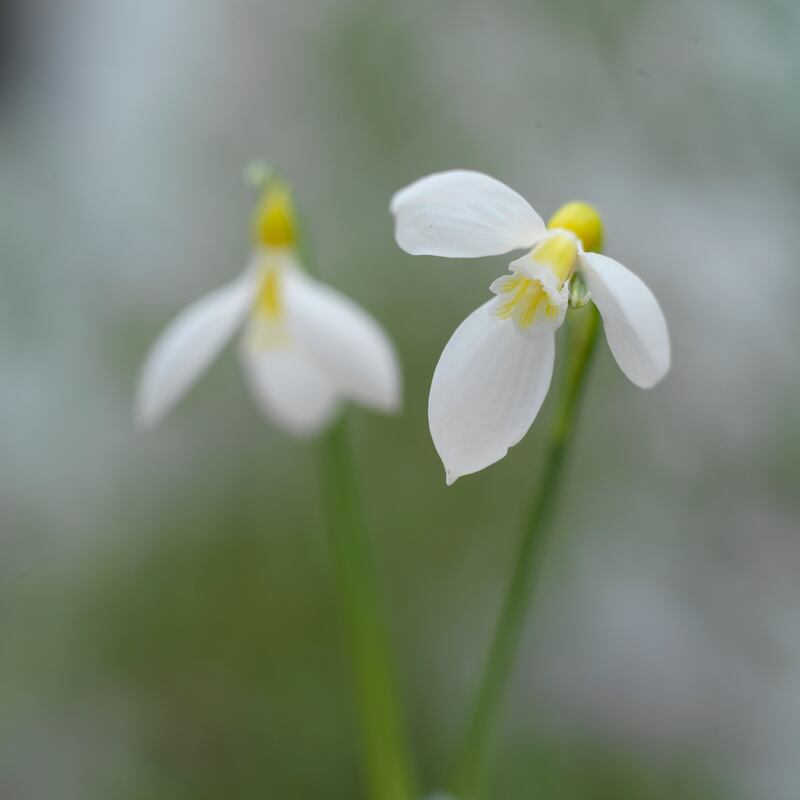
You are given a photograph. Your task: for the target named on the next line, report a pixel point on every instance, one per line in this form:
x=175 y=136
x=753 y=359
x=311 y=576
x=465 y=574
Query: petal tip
x=393 y=409
x=652 y=382
x=394 y=202
x=650 y=377
x=142 y=422
x=393 y=402
x=145 y=415
x=146 y=420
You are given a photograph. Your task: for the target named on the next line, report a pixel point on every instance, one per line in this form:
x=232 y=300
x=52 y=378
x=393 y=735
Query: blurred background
x=168 y=627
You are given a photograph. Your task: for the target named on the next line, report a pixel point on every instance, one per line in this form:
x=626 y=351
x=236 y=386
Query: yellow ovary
x=274 y=218
x=583 y=220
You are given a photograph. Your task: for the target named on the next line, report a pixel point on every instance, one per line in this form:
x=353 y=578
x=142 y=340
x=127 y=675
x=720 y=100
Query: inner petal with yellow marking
x=536 y=290
x=267 y=327
x=269 y=302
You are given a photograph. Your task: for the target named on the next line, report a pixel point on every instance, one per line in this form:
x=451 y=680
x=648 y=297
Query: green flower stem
x=469 y=775
x=388 y=765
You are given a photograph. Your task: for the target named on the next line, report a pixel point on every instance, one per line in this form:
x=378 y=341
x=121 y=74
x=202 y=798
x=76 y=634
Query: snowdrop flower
x=305 y=347
x=495 y=371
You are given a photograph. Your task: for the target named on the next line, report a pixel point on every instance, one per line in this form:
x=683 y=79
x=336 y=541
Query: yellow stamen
x=583 y=220
x=274 y=217
x=526 y=317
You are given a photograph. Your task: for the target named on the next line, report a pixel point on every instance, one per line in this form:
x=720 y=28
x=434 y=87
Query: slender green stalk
x=469 y=775
x=388 y=765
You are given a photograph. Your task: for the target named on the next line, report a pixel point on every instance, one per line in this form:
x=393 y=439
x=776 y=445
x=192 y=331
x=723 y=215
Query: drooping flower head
x=494 y=373
x=305 y=348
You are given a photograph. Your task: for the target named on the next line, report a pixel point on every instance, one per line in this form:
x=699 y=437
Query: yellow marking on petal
x=267 y=330
x=513 y=282
x=269 y=303
x=583 y=220
x=518 y=294
x=522 y=295
x=274 y=222
x=504 y=311
x=529 y=313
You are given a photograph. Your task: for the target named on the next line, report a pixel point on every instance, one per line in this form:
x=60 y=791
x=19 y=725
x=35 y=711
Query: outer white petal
x=487 y=389
x=287 y=385
x=463 y=214
x=291 y=391
x=188 y=345
x=350 y=347
x=634 y=323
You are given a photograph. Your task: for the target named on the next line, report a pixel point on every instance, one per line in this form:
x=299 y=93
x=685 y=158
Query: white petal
x=289 y=388
x=487 y=389
x=463 y=214
x=347 y=343
x=188 y=345
x=634 y=323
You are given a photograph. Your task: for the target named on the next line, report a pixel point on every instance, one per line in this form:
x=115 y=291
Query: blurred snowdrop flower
x=494 y=373
x=305 y=346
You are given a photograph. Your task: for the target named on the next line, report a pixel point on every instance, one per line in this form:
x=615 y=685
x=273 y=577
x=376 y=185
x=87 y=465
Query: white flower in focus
x=305 y=347
x=494 y=373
